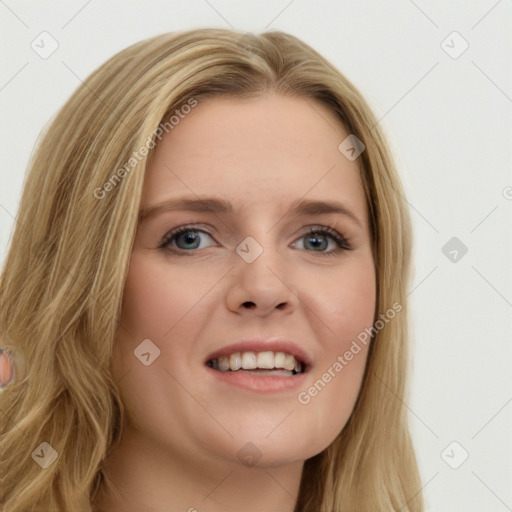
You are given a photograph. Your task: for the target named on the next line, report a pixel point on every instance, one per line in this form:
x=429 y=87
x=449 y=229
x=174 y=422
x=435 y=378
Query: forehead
x=263 y=151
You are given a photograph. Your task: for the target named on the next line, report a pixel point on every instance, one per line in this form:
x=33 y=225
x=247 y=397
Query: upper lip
x=259 y=344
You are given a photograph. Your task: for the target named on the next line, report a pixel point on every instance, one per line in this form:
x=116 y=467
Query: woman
x=205 y=295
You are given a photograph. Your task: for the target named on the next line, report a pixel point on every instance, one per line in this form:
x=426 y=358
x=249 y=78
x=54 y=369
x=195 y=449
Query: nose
x=261 y=287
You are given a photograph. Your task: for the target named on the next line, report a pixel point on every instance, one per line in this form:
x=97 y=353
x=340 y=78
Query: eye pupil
x=189 y=237
x=318 y=240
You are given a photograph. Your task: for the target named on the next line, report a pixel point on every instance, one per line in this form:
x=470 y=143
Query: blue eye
x=184 y=238
x=187 y=239
x=318 y=238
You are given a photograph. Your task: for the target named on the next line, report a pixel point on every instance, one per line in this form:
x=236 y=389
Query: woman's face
x=246 y=276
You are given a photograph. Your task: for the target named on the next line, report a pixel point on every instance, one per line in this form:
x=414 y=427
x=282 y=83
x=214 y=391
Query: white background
x=449 y=122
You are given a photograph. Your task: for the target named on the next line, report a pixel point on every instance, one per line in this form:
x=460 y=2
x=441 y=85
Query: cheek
x=346 y=308
x=346 y=302
x=157 y=295
x=161 y=303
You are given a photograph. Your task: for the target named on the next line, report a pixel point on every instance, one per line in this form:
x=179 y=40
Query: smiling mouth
x=259 y=363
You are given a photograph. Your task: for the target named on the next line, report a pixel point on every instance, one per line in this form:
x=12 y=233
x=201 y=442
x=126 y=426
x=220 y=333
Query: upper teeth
x=252 y=360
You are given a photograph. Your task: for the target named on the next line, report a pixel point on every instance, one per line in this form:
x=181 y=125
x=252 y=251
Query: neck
x=145 y=476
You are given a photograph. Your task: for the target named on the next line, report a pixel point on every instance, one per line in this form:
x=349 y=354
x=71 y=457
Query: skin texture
x=185 y=428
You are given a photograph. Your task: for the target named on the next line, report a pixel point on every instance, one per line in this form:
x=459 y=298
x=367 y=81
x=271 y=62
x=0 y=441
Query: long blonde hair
x=62 y=285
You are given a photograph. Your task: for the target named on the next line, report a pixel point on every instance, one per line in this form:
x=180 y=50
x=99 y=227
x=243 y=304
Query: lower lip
x=260 y=384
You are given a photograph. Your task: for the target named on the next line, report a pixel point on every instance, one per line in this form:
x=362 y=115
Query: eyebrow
x=301 y=207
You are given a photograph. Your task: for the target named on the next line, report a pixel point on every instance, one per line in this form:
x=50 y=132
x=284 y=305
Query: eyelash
x=342 y=242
